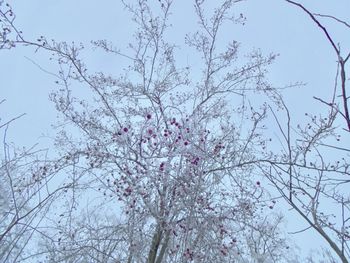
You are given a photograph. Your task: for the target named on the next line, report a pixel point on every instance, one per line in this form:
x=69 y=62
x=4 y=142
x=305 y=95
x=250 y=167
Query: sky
x=272 y=25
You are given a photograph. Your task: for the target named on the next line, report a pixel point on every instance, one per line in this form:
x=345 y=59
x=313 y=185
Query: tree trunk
x=155 y=245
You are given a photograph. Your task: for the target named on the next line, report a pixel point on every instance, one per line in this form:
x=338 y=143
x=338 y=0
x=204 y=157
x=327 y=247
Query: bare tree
x=312 y=171
x=24 y=195
x=312 y=174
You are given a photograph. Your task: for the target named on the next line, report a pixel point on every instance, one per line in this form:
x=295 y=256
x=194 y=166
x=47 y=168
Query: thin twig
x=13 y=119
x=334 y=18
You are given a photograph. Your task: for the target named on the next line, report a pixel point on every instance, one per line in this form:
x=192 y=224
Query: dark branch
x=334 y=18
x=318 y=24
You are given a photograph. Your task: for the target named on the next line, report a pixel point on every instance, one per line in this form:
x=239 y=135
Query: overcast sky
x=272 y=26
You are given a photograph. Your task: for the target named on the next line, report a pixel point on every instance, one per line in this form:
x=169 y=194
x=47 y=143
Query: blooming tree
x=162 y=162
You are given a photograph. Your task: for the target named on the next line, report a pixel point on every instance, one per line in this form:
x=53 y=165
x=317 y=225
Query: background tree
x=312 y=173
x=25 y=195
x=27 y=175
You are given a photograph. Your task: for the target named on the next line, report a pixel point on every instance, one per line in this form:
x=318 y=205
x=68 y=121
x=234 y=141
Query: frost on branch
x=166 y=159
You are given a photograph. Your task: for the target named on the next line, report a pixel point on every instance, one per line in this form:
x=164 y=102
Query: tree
x=164 y=151
x=24 y=195
x=312 y=173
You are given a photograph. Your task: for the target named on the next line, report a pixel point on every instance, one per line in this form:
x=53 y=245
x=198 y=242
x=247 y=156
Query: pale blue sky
x=272 y=26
